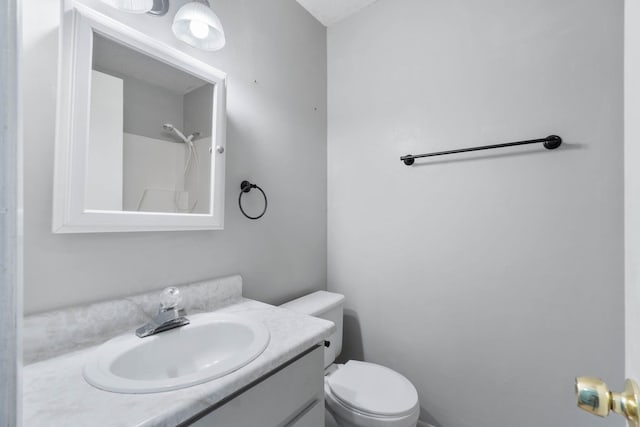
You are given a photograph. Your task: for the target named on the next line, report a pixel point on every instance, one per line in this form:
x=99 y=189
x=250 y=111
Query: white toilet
x=358 y=394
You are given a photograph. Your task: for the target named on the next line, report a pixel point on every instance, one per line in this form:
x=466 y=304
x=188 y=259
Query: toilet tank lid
x=315 y=303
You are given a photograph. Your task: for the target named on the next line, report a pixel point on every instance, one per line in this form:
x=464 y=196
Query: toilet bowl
x=358 y=394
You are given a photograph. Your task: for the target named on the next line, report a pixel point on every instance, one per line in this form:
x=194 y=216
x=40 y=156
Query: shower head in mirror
x=171 y=128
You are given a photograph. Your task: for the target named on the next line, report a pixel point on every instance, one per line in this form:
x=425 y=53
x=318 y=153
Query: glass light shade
x=131 y=6
x=197 y=25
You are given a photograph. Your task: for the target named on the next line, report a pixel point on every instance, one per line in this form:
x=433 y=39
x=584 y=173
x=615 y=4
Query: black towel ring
x=245 y=187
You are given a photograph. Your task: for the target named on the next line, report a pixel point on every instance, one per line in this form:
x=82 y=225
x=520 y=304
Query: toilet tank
x=328 y=306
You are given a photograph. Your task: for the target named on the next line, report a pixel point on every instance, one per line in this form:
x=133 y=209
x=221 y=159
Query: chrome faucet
x=169 y=316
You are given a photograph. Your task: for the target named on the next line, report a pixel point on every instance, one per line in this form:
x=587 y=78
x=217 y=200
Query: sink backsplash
x=56 y=332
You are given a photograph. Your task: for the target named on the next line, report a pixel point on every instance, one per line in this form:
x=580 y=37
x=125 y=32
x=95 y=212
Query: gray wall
x=147 y=107
x=198 y=111
x=492 y=279
x=276 y=61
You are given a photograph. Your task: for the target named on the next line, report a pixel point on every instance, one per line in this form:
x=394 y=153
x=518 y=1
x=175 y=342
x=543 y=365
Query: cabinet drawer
x=277 y=400
x=312 y=417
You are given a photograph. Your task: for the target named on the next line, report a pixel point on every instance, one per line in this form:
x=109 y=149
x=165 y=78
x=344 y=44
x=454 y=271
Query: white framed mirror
x=140 y=143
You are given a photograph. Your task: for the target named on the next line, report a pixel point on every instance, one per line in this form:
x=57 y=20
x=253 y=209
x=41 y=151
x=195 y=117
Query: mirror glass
x=150 y=134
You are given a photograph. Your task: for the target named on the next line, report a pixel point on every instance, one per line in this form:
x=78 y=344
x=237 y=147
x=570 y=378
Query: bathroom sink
x=211 y=346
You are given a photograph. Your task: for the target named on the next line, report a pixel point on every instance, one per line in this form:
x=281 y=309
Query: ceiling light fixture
x=194 y=23
x=197 y=25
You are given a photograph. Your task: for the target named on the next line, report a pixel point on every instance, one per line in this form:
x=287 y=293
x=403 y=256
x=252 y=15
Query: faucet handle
x=170 y=299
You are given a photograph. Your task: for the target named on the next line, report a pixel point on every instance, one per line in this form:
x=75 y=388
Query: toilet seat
x=366 y=394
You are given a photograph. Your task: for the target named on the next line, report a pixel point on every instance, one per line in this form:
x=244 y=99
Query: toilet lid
x=373 y=389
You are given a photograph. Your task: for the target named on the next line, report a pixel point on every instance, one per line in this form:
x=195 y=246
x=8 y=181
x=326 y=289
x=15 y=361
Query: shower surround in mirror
x=139 y=156
x=141 y=132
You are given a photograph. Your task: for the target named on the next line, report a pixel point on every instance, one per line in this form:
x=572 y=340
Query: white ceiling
x=331 y=11
x=120 y=61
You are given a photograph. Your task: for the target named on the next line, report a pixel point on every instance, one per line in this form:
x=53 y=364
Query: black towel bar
x=550 y=143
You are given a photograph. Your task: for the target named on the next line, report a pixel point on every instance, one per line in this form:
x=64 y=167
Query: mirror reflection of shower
x=143 y=156
x=191 y=167
x=191 y=159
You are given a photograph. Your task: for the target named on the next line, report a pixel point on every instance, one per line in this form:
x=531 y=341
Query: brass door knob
x=594 y=396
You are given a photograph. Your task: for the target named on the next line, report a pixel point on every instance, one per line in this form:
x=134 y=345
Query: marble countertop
x=55 y=393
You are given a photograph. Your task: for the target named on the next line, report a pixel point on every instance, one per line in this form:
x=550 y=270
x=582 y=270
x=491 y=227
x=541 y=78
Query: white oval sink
x=211 y=346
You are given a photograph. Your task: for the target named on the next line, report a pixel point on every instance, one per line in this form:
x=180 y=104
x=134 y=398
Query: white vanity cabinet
x=293 y=396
